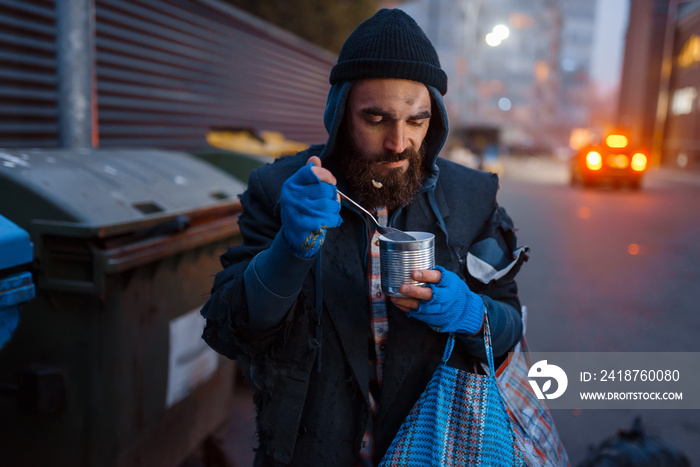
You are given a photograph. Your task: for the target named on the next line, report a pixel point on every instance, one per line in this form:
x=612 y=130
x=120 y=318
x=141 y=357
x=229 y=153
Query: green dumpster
x=126 y=243
x=238 y=164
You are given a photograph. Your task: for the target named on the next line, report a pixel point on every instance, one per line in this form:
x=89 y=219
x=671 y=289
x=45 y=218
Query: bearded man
x=334 y=364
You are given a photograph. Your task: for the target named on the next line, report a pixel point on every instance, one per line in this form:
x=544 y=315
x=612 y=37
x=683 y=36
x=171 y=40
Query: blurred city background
x=128 y=129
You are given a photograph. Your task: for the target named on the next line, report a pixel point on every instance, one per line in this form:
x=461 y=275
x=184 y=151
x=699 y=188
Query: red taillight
x=594 y=161
x=639 y=162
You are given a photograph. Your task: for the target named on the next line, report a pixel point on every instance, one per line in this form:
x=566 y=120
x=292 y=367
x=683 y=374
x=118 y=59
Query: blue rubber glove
x=453 y=308
x=308 y=207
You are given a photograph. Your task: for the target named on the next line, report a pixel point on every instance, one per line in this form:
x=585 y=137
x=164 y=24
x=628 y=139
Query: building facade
x=681 y=132
x=660 y=82
x=641 y=70
x=531 y=86
x=575 y=62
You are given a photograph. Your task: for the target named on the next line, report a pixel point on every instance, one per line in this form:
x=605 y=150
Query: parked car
x=614 y=161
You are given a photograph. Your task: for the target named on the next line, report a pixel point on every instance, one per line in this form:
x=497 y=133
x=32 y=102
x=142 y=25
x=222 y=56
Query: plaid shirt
x=378 y=338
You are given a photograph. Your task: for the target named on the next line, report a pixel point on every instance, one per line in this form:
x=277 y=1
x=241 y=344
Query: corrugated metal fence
x=28 y=83
x=166 y=72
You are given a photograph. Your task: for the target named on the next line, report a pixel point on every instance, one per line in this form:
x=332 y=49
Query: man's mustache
x=395 y=156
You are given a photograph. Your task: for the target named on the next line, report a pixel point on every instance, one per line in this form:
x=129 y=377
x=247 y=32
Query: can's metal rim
x=423 y=240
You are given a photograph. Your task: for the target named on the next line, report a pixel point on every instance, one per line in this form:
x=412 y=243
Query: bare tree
x=326 y=23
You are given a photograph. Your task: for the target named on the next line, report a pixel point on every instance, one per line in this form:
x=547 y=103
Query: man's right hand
x=309 y=205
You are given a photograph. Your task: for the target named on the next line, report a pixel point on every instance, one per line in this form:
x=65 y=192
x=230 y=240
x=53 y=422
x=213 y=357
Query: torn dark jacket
x=311 y=417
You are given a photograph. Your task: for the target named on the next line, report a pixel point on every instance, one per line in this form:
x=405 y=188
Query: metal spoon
x=389 y=232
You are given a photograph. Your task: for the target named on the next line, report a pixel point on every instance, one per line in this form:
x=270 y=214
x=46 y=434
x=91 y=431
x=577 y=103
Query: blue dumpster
x=16 y=286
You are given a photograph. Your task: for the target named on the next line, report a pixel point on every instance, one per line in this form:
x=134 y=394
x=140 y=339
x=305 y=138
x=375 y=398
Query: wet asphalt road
x=610 y=270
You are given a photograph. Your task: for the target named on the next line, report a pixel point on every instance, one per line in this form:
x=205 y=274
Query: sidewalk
x=666 y=174
x=547 y=169
x=232 y=445
x=537 y=169
x=239 y=435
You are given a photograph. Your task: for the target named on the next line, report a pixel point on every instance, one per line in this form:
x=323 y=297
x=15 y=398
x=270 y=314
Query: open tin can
x=398 y=258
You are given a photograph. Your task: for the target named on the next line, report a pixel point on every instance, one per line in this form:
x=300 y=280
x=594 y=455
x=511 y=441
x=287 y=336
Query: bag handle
x=487 y=345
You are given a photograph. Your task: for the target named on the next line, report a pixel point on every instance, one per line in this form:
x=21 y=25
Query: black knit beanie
x=389 y=45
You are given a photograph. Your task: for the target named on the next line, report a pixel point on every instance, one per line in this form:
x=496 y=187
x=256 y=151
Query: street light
x=502 y=31
x=469 y=81
x=497 y=35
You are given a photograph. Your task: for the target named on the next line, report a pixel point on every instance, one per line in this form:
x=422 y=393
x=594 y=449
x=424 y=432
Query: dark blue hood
x=434 y=140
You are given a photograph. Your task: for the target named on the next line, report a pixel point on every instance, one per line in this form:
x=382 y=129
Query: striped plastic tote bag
x=533 y=425
x=459 y=420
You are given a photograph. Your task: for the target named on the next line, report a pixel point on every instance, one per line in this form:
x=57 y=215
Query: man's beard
x=397 y=188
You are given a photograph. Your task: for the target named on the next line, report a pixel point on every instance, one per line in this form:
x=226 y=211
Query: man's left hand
x=445 y=303
x=413 y=294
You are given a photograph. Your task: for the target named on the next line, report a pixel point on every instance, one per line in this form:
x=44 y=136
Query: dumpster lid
x=15 y=245
x=108 y=190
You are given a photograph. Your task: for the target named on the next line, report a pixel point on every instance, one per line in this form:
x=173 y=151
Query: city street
x=128 y=133
x=610 y=270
